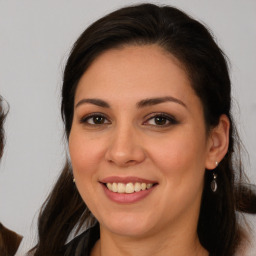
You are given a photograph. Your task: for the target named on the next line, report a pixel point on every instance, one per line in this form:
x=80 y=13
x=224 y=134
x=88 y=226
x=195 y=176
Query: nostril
x=130 y=161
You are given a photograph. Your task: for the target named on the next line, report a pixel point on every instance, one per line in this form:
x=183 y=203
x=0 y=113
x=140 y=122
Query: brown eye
x=95 y=119
x=161 y=119
x=98 y=120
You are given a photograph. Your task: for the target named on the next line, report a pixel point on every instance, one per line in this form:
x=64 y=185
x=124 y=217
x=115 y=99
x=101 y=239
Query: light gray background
x=35 y=39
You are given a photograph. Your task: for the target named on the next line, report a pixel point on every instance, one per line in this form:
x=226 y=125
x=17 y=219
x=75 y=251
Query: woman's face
x=138 y=142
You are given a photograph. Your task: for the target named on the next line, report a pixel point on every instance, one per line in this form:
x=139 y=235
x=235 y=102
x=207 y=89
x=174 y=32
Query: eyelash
x=165 y=117
x=85 y=119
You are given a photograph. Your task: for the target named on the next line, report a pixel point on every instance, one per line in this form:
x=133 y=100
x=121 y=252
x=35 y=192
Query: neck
x=178 y=244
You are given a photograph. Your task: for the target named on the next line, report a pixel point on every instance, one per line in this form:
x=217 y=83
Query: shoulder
x=82 y=244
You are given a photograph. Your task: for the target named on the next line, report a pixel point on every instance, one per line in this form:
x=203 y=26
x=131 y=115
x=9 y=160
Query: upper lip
x=125 y=180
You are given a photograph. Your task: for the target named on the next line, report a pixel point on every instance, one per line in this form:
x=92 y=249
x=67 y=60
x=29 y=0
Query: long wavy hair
x=206 y=66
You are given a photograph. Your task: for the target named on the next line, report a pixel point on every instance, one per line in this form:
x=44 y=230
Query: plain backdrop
x=35 y=40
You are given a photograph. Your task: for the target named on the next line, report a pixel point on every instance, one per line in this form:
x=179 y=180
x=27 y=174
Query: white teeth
x=128 y=188
x=109 y=185
x=143 y=186
x=137 y=187
x=120 y=187
x=114 y=187
x=149 y=186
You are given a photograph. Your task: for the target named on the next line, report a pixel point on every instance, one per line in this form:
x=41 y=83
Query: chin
x=132 y=226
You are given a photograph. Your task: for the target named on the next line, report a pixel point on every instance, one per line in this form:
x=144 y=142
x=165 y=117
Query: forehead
x=136 y=71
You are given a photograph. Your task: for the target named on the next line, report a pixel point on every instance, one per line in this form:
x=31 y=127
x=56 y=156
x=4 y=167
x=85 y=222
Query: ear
x=218 y=142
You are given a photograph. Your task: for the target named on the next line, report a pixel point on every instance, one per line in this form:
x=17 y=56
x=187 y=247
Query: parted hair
x=206 y=65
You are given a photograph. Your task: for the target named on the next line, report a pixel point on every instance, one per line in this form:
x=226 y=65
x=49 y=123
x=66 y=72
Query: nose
x=125 y=147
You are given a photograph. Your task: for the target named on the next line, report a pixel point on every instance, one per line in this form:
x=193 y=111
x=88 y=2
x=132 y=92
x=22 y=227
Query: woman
x=146 y=106
x=9 y=240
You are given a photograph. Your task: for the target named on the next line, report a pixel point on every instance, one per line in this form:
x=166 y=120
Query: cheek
x=85 y=154
x=85 y=157
x=180 y=161
x=180 y=156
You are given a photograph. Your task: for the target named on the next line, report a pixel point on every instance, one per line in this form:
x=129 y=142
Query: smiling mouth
x=128 y=188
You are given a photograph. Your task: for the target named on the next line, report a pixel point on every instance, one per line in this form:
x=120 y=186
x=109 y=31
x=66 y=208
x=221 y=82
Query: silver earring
x=74 y=180
x=214 y=185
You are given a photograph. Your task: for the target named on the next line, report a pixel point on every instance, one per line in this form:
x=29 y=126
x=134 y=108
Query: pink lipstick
x=127 y=190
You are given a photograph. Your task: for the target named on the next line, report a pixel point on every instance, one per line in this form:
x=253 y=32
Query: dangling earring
x=214 y=185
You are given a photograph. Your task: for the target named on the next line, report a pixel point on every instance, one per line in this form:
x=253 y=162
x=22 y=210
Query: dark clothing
x=83 y=244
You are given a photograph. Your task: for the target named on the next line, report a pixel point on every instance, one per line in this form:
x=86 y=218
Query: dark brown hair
x=9 y=241
x=193 y=45
x=2 y=119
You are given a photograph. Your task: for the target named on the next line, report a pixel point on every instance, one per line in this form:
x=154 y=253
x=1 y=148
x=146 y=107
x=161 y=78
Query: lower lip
x=124 y=198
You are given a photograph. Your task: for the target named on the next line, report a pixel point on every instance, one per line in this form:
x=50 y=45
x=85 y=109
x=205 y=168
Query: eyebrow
x=155 y=101
x=140 y=104
x=97 y=102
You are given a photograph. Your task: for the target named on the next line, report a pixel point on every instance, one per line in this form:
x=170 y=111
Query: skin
x=130 y=142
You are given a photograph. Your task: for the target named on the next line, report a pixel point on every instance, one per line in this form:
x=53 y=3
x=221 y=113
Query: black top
x=83 y=244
